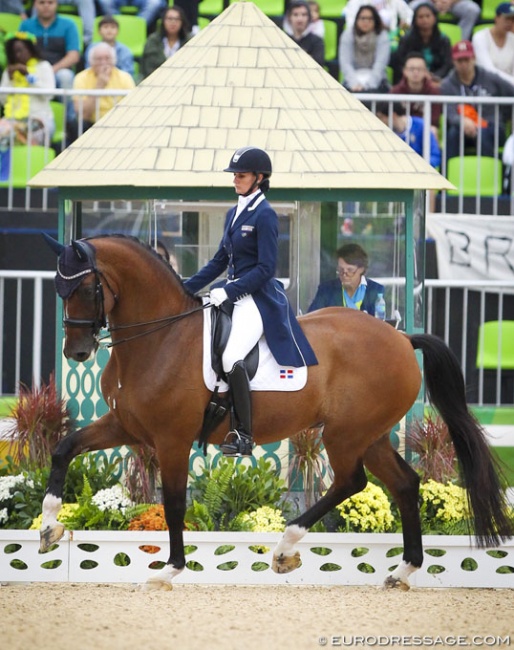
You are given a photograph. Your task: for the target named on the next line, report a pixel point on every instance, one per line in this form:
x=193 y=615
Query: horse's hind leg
x=403 y=483
x=346 y=482
x=102 y=434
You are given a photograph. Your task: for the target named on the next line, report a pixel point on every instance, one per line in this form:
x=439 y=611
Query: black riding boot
x=239 y=440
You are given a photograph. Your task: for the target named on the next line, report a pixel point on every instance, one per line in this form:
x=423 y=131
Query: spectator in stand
x=173 y=34
x=478 y=122
x=190 y=9
x=103 y=74
x=409 y=129
x=147 y=9
x=13 y=7
x=28 y=119
x=395 y=14
x=316 y=26
x=108 y=28
x=494 y=47
x=416 y=81
x=467 y=12
x=425 y=37
x=299 y=17
x=364 y=53
x=87 y=11
x=58 y=40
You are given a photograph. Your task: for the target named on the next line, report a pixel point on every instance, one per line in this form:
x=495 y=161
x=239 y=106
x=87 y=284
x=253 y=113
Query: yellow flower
x=65 y=512
x=368 y=510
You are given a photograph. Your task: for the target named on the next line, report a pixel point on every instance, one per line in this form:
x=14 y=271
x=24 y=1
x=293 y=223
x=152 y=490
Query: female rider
x=248 y=252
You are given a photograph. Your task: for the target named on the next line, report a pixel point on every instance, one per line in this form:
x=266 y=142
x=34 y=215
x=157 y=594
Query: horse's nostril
x=81 y=356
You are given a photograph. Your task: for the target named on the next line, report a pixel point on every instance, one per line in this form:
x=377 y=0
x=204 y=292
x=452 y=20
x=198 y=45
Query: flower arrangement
x=9 y=486
x=444 y=506
x=367 y=511
x=151 y=519
x=262 y=520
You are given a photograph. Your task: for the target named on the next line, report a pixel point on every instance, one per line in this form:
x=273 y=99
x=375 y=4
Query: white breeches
x=247 y=329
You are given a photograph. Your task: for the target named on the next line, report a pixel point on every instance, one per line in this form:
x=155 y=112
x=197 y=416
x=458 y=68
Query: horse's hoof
x=396 y=583
x=157 y=585
x=286 y=563
x=50 y=535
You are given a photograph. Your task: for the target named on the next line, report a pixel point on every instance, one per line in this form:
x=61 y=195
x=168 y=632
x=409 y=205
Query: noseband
x=95 y=324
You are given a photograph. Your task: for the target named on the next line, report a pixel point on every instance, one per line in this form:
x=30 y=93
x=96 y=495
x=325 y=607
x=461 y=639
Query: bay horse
x=367 y=379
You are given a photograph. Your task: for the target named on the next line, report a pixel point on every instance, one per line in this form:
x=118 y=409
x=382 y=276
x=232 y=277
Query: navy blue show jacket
x=248 y=252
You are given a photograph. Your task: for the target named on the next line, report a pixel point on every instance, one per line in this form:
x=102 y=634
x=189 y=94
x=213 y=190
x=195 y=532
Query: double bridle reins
x=100 y=320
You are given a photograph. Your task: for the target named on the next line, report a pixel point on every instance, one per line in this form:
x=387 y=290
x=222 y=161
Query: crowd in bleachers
x=425 y=47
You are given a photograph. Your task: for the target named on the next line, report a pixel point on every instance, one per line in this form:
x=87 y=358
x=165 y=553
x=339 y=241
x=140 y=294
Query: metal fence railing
x=455 y=311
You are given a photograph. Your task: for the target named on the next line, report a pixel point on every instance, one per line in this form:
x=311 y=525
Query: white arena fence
x=245 y=558
x=489 y=195
x=27 y=327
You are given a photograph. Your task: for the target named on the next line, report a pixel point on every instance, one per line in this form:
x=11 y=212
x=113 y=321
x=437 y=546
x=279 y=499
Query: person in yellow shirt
x=103 y=74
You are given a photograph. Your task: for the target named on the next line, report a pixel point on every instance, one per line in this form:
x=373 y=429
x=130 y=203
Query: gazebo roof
x=240 y=81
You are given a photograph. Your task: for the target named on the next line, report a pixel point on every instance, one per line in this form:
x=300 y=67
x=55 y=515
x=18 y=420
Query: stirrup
x=237 y=444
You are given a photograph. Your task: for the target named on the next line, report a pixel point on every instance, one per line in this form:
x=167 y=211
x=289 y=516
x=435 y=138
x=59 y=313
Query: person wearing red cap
x=494 y=47
x=478 y=121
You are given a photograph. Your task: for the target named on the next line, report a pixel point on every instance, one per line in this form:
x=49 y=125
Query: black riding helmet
x=254 y=160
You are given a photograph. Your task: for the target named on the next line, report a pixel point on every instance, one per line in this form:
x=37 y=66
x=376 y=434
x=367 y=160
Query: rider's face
x=243 y=182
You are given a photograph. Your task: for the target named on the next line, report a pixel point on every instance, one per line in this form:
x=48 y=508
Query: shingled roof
x=240 y=81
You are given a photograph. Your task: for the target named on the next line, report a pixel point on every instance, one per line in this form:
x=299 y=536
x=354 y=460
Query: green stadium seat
x=331 y=40
x=489 y=9
x=26 y=162
x=454 y=32
x=475 y=176
x=208 y=7
x=9 y=22
x=496 y=345
x=331 y=8
x=269 y=7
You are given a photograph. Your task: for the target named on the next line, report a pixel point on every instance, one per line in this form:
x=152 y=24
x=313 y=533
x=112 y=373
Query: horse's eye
x=87 y=292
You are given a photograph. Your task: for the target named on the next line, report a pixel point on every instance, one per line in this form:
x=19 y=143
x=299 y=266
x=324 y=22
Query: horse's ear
x=81 y=250
x=53 y=243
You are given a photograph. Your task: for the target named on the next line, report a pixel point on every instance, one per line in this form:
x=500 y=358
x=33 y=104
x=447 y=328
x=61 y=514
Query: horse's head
x=79 y=283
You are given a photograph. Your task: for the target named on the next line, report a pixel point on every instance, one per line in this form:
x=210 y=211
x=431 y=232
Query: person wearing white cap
x=494 y=47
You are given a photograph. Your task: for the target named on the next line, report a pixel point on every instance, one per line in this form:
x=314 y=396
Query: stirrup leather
x=237 y=444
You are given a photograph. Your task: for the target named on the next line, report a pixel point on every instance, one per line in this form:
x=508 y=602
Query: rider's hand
x=218 y=296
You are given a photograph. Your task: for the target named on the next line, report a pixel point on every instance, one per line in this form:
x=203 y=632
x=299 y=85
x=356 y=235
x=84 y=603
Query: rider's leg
x=247 y=328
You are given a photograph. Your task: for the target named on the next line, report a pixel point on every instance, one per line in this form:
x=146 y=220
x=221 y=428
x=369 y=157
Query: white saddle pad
x=269 y=376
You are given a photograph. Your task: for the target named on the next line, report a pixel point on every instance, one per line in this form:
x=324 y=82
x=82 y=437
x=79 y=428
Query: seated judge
x=351 y=288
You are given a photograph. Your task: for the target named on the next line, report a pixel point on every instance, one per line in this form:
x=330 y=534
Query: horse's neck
x=145 y=294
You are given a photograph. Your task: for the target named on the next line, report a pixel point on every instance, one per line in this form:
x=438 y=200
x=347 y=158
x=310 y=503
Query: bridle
x=100 y=320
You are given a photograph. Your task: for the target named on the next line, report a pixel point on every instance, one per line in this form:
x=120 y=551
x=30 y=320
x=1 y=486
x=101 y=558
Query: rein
x=163 y=322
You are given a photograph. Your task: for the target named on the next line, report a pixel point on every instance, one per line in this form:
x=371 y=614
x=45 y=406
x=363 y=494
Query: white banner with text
x=473 y=247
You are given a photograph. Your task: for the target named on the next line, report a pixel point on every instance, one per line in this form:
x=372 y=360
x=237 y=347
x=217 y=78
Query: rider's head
x=253 y=161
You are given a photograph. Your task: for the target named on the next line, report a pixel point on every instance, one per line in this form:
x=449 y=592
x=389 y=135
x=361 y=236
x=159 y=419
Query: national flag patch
x=287 y=373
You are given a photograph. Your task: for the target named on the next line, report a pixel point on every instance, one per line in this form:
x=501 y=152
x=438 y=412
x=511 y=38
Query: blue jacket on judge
x=330 y=294
x=249 y=252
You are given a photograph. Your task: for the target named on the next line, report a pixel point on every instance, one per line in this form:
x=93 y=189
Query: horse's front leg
x=174 y=472
x=102 y=434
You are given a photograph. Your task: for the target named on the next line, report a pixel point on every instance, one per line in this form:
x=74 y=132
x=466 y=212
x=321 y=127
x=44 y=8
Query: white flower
x=115 y=498
x=4 y=515
x=8 y=485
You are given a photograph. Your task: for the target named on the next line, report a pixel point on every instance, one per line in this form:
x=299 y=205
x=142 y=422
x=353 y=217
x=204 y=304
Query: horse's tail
x=479 y=470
